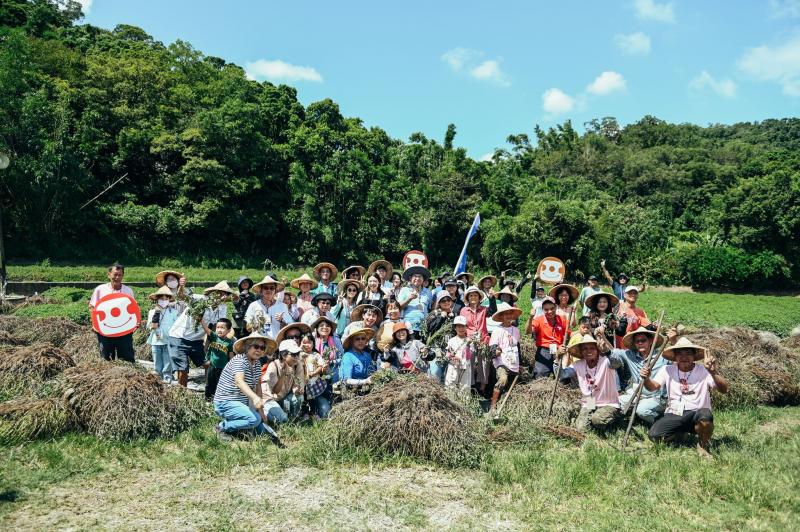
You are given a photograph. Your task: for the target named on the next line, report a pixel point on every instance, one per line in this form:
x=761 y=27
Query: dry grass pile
x=792 y=342
x=529 y=403
x=36 y=362
x=6 y=338
x=29 y=418
x=759 y=371
x=83 y=347
x=410 y=417
x=55 y=331
x=122 y=402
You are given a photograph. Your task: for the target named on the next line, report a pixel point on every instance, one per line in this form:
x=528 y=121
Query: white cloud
x=490 y=71
x=633 y=44
x=278 y=70
x=723 y=87
x=86 y=5
x=557 y=102
x=606 y=83
x=779 y=64
x=650 y=10
x=785 y=8
x=458 y=57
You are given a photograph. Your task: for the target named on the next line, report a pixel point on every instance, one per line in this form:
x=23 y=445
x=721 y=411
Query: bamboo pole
x=558 y=375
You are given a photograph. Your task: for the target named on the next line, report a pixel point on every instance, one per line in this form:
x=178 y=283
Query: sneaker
x=222 y=435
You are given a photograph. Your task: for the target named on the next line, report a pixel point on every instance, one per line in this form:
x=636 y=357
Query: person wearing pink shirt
x=475 y=314
x=600 y=401
x=689 y=388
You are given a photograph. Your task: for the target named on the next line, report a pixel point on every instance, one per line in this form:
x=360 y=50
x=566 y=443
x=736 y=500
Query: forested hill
x=232 y=171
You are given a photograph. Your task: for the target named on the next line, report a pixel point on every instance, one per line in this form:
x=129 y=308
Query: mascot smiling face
x=116 y=315
x=551 y=270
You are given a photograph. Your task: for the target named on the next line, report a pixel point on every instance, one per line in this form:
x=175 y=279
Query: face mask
x=163 y=303
x=172 y=284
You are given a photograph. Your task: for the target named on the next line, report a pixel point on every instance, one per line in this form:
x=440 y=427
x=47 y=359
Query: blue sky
x=493 y=68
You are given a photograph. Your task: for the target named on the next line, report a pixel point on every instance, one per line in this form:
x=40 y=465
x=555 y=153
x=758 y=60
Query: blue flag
x=461 y=265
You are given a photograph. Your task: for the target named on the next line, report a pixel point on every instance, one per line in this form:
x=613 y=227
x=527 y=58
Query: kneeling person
x=688 y=393
x=283 y=383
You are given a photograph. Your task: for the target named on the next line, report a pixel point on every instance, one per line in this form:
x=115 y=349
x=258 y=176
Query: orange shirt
x=636 y=318
x=547 y=333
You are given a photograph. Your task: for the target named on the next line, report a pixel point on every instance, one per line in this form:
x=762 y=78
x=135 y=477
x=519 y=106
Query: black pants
x=212 y=379
x=672 y=424
x=120 y=347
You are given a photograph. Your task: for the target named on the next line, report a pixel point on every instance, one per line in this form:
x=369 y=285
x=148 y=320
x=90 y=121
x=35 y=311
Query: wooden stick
x=558 y=375
x=650 y=362
x=503 y=402
x=104 y=191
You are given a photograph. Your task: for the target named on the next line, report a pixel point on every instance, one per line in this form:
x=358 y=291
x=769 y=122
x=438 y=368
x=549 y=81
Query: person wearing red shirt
x=475 y=315
x=548 y=330
x=631 y=316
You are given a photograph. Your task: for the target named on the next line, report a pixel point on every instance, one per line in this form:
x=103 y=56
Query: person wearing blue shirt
x=415 y=300
x=357 y=363
x=325 y=273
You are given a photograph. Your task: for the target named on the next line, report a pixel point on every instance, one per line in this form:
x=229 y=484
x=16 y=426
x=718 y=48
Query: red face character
x=116 y=315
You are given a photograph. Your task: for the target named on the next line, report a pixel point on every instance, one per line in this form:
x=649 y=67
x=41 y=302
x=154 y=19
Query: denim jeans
x=162 y=362
x=648 y=409
x=238 y=416
x=436 y=370
x=321 y=405
x=280 y=411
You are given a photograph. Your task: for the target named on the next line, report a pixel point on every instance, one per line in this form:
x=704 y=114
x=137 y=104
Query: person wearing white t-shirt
x=120 y=347
x=689 y=388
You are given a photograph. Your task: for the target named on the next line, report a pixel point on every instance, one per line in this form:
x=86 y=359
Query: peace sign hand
x=710 y=363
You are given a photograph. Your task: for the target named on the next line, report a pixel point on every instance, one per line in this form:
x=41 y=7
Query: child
x=504 y=346
x=160 y=318
x=460 y=354
x=316 y=368
x=220 y=350
x=403 y=352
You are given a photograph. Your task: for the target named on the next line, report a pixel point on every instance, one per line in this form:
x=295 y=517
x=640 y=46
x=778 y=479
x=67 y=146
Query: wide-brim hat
x=239 y=345
x=504 y=308
x=575 y=349
x=348 y=339
x=443 y=276
x=378 y=263
x=325 y=319
x=221 y=286
x=163 y=291
x=161 y=277
x=331 y=267
x=685 y=343
x=279 y=286
x=322 y=295
x=469 y=277
x=627 y=340
x=507 y=291
x=400 y=326
x=416 y=270
x=242 y=279
x=471 y=290
x=591 y=301
x=441 y=295
x=358 y=312
x=491 y=277
x=361 y=271
x=286 y=328
x=573 y=292
x=342 y=286
x=305 y=278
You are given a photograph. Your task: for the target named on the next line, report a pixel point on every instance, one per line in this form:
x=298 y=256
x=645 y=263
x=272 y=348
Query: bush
x=708 y=265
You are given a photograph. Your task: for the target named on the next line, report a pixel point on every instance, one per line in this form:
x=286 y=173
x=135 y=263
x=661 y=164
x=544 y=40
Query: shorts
x=672 y=424
x=185 y=351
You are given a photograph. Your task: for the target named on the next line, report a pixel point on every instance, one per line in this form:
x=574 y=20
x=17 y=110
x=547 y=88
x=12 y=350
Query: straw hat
x=342 y=286
x=279 y=286
x=469 y=277
x=627 y=340
x=377 y=264
x=485 y=277
x=399 y=326
x=358 y=312
x=325 y=319
x=591 y=301
x=305 y=278
x=221 y=286
x=348 y=339
x=503 y=309
x=163 y=291
x=161 y=277
x=684 y=343
x=361 y=271
x=575 y=349
x=507 y=291
x=286 y=328
x=331 y=267
x=573 y=292
x=471 y=290
x=416 y=270
x=239 y=345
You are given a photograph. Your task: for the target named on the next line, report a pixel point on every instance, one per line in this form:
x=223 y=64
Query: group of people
x=285 y=354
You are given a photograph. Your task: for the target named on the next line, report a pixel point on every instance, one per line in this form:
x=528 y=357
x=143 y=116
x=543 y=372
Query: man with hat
x=238 y=387
x=321 y=306
x=266 y=314
x=549 y=331
x=415 y=299
x=598 y=384
x=536 y=301
x=619 y=284
x=240 y=306
x=325 y=273
x=356 y=273
x=364 y=316
x=688 y=388
x=592 y=288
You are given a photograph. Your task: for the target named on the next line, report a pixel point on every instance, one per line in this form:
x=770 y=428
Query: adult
x=120 y=347
x=415 y=299
x=396 y=286
x=321 y=306
x=348 y=296
x=437 y=332
x=451 y=285
x=507 y=296
x=240 y=306
x=689 y=388
x=266 y=314
x=357 y=365
x=592 y=287
x=239 y=386
x=487 y=284
x=465 y=278
x=403 y=352
x=600 y=407
x=355 y=273
x=619 y=284
x=292 y=331
x=630 y=316
x=327 y=344
x=365 y=316
x=514 y=285
x=439 y=282
x=565 y=295
x=373 y=294
x=536 y=301
x=283 y=384
x=303 y=285
x=159 y=319
x=549 y=331
x=384 y=270
x=188 y=334
x=325 y=273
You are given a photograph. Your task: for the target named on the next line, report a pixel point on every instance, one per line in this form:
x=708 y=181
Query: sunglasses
x=260 y=347
x=293 y=336
x=360 y=339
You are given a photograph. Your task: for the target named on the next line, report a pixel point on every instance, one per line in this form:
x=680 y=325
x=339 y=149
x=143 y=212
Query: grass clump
x=37 y=362
x=30 y=418
x=53 y=329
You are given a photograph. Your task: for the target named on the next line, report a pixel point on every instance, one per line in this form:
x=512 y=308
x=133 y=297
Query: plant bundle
x=55 y=331
x=6 y=338
x=529 y=402
x=29 y=418
x=83 y=347
x=37 y=362
x=409 y=416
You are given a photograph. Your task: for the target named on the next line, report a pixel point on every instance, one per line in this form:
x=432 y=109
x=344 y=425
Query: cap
x=460 y=320
x=592 y=277
x=632 y=289
x=290 y=346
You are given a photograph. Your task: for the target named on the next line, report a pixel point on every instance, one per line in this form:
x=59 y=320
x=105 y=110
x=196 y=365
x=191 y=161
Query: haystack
x=122 y=402
x=55 y=331
x=30 y=418
x=83 y=347
x=36 y=362
x=529 y=402
x=6 y=338
x=759 y=371
x=411 y=417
